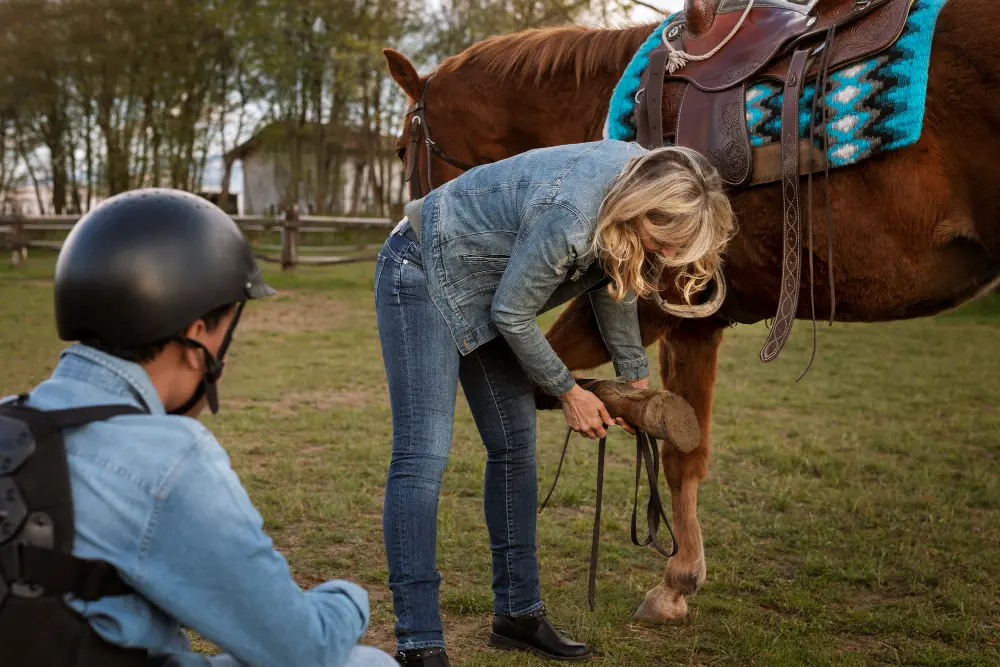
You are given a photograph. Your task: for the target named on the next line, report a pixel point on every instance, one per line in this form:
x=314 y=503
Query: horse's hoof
x=662 y=605
x=660 y=413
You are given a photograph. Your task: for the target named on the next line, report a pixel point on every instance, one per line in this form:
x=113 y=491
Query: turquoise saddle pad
x=873 y=106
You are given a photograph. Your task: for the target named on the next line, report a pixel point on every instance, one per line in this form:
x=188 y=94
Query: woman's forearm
x=618 y=322
x=537 y=357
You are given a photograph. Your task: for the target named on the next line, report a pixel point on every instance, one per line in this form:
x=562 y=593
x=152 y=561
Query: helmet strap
x=213 y=369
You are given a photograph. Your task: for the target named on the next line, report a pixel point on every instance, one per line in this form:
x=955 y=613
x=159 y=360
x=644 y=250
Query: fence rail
x=15 y=235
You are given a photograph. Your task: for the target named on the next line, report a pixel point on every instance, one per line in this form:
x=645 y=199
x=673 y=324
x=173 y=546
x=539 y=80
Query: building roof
x=276 y=137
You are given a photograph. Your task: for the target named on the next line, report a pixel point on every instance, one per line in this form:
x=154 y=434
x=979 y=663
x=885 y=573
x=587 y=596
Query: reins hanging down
x=646 y=452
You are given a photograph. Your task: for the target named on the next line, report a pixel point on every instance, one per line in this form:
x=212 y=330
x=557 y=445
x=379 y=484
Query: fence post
x=290 y=239
x=19 y=245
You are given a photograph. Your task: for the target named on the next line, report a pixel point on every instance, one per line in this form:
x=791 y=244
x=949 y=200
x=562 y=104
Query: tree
x=101 y=96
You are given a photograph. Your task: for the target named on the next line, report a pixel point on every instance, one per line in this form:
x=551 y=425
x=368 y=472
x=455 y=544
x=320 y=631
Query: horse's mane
x=541 y=52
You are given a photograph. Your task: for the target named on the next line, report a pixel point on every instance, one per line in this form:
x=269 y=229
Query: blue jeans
x=423 y=368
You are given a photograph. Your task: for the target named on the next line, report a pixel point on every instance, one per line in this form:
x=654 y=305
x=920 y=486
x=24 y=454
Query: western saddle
x=709 y=55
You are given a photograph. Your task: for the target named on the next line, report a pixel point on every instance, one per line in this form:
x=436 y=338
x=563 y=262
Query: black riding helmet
x=144 y=265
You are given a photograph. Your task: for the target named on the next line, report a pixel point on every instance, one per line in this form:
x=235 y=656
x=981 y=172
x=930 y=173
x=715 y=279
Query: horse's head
x=453 y=122
x=506 y=95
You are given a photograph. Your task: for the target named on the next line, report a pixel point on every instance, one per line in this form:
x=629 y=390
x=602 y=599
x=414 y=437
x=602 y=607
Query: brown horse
x=915 y=231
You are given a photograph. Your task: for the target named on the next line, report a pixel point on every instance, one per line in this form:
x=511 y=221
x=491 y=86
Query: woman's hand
x=625 y=425
x=585 y=413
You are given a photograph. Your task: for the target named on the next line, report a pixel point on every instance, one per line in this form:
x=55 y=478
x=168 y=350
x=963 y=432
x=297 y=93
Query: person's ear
x=194 y=356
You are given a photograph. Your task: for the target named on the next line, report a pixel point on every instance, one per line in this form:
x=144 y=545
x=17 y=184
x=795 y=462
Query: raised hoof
x=660 y=413
x=662 y=605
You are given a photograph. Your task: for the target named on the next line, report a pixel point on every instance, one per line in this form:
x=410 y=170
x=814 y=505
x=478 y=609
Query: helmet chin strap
x=213 y=369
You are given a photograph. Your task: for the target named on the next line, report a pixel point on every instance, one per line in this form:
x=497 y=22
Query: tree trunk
x=74 y=186
x=34 y=180
x=57 y=150
x=337 y=203
x=227 y=177
x=376 y=187
x=359 y=174
x=89 y=158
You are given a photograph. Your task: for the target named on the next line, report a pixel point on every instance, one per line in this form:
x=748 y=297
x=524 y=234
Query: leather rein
x=647 y=452
x=418 y=125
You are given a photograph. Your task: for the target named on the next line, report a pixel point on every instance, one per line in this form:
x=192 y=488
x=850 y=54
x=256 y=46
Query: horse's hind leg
x=688 y=359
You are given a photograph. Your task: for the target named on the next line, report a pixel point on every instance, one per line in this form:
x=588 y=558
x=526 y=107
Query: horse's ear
x=403 y=72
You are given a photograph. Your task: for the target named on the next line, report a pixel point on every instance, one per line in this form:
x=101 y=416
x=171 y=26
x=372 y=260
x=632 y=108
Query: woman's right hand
x=585 y=413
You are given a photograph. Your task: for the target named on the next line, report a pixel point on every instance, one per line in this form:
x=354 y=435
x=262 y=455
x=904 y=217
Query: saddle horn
x=699 y=15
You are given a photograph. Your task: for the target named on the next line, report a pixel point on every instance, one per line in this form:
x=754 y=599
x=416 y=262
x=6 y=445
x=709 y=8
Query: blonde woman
x=458 y=287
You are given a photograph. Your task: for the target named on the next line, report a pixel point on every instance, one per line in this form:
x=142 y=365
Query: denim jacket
x=509 y=240
x=155 y=496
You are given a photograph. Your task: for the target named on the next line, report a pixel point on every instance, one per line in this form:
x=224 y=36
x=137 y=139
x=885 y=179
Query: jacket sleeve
x=539 y=264
x=208 y=563
x=618 y=323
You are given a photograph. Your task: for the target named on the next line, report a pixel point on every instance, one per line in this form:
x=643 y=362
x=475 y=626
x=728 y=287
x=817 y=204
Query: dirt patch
x=293 y=312
x=865 y=600
x=861 y=644
x=291 y=403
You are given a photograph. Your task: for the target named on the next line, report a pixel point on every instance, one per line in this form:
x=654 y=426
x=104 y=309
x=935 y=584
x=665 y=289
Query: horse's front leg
x=688 y=360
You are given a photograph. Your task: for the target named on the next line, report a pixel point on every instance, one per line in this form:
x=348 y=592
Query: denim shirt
x=511 y=239
x=155 y=496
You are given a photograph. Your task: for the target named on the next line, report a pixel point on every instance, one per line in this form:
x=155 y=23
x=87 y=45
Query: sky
x=643 y=14
x=213 y=171
x=214 y=167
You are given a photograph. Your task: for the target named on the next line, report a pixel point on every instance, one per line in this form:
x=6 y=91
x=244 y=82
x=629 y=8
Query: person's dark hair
x=141 y=354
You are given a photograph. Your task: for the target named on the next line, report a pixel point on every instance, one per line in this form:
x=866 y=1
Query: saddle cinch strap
x=703 y=108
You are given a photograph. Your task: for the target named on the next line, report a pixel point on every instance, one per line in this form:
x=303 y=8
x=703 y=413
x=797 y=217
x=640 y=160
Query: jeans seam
x=400 y=536
x=412 y=646
x=379 y=267
x=533 y=608
x=506 y=483
x=398 y=256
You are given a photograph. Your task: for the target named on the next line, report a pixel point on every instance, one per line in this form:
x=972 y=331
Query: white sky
x=639 y=14
x=642 y=14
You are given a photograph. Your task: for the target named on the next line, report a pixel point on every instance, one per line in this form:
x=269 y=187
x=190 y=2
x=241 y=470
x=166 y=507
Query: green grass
x=852 y=518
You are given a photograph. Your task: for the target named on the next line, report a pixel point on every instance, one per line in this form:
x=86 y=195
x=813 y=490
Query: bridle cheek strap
x=418 y=125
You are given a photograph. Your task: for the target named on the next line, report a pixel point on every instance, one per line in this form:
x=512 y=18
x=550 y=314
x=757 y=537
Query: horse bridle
x=418 y=124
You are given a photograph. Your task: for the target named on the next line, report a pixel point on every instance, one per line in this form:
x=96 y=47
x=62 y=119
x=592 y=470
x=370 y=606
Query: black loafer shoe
x=433 y=656
x=535 y=634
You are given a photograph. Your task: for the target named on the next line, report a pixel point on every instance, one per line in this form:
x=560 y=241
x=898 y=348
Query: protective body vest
x=37 y=568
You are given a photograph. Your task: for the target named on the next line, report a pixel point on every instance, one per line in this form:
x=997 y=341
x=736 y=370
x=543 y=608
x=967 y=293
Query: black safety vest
x=37 y=568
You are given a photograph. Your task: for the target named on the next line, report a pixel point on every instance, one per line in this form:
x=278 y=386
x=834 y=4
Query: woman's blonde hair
x=680 y=197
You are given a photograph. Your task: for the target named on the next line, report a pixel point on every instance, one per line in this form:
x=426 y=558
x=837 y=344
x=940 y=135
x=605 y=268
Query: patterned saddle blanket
x=874 y=106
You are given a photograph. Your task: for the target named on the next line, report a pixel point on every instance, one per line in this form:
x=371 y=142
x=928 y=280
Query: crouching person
x=121 y=520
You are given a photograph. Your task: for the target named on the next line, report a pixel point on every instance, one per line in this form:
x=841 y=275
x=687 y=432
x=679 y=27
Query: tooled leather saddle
x=701 y=103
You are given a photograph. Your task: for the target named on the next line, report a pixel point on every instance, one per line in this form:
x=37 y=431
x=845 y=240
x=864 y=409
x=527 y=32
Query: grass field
x=850 y=519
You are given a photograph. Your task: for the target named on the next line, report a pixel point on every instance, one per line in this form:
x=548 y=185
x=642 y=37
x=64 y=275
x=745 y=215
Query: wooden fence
x=16 y=236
